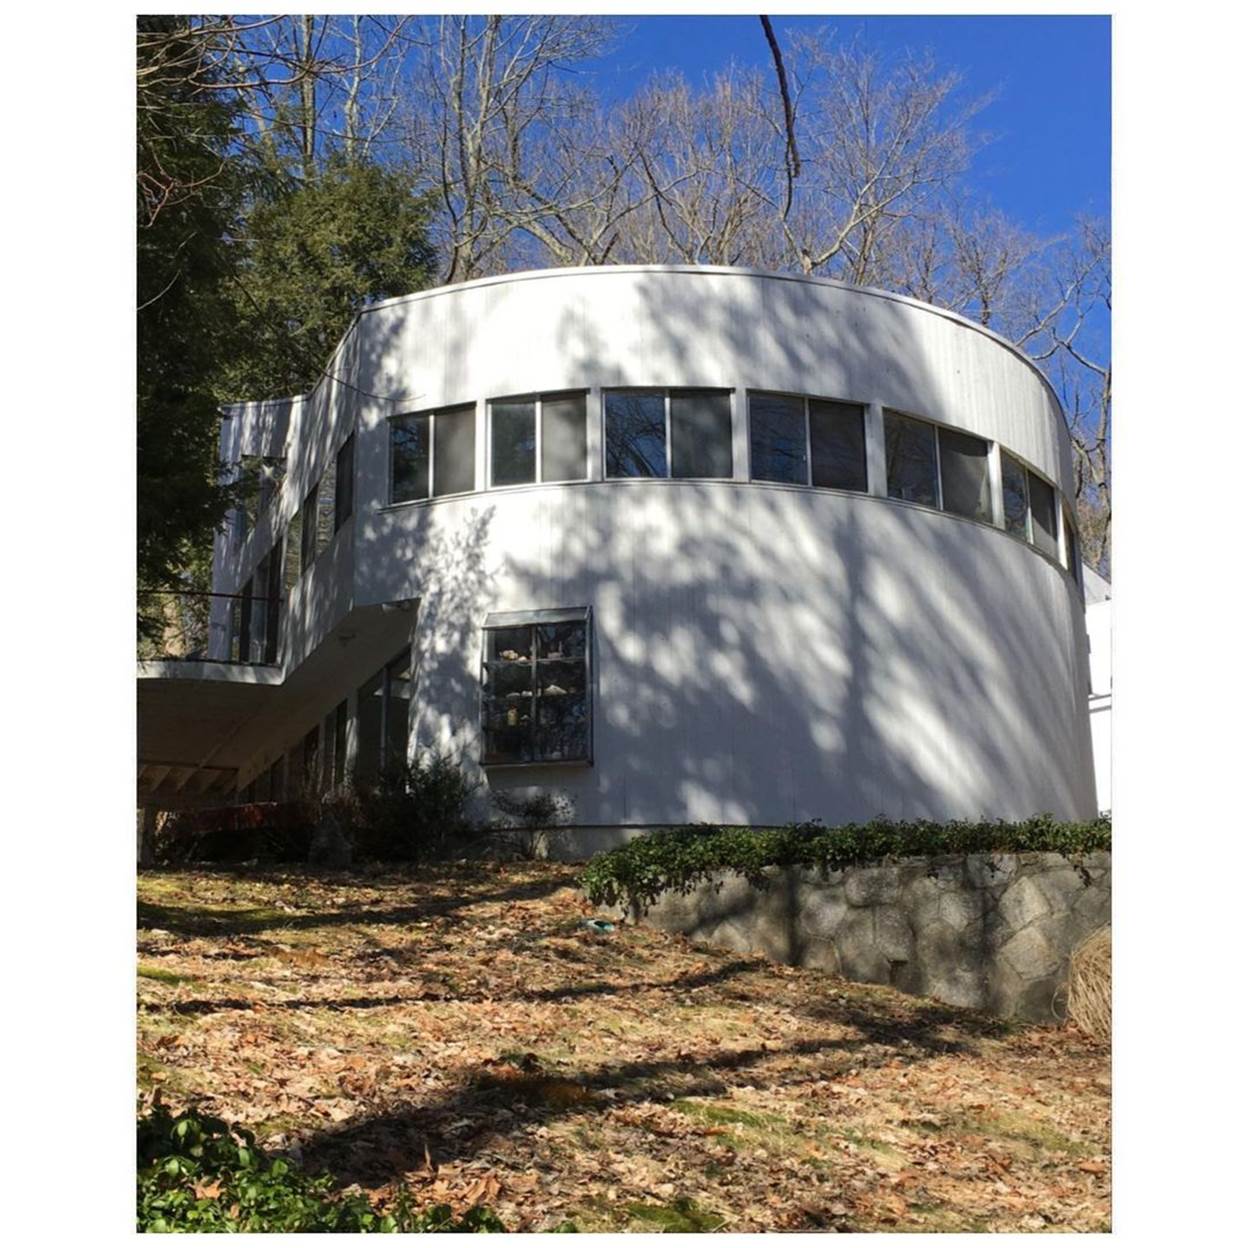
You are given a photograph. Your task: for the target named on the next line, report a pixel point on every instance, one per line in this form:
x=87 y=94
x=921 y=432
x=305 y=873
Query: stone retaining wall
x=990 y=931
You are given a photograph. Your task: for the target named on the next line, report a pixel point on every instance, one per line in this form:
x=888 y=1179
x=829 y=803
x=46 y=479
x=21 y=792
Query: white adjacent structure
x=679 y=544
x=1099 y=620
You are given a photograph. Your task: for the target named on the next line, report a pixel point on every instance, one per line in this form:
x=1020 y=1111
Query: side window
x=1043 y=514
x=910 y=455
x=308 y=531
x=382 y=719
x=344 y=483
x=778 y=439
x=433 y=454
x=536 y=688
x=1014 y=488
x=668 y=433
x=636 y=433
x=964 y=483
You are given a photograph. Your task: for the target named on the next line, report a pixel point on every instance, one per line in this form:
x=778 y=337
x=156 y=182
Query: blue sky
x=1051 y=157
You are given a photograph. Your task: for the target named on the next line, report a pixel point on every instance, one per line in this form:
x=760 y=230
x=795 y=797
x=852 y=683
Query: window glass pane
x=636 y=432
x=311 y=752
x=563 y=438
x=964 y=475
x=307 y=549
x=409 y=458
x=398 y=698
x=778 y=438
x=838 y=449
x=1043 y=515
x=536 y=696
x=273 y=608
x=910 y=454
x=1072 y=543
x=513 y=443
x=701 y=434
x=344 y=483
x=368 y=729
x=1014 y=489
x=326 y=494
x=508 y=701
x=454 y=451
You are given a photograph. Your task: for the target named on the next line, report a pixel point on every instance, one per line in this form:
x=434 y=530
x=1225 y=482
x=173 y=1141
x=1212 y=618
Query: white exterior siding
x=761 y=653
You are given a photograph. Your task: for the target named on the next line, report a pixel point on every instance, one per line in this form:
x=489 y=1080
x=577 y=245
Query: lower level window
x=382 y=720
x=535 y=705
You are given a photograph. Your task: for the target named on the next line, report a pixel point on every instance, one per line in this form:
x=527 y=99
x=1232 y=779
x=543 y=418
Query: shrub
x=418 y=810
x=635 y=874
x=199 y=1174
x=527 y=818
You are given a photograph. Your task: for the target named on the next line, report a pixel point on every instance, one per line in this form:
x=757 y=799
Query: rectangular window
x=778 y=439
x=338 y=740
x=409 y=458
x=454 y=451
x=536 y=688
x=636 y=433
x=1072 y=542
x=799 y=441
x=307 y=541
x=273 y=605
x=910 y=457
x=397 y=703
x=964 y=483
x=838 y=446
x=563 y=438
x=1043 y=514
x=433 y=454
x=382 y=719
x=344 y=483
x=513 y=442
x=311 y=758
x=1014 y=489
x=368 y=718
x=701 y=425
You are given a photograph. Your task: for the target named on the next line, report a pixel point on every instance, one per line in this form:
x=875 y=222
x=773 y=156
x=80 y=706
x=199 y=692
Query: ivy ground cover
x=464 y=1035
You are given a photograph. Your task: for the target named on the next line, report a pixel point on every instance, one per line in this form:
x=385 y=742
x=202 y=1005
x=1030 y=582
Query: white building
x=1099 y=620
x=680 y=544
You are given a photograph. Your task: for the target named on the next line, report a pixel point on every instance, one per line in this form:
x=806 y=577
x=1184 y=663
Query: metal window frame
x=533 y=619
x=681 y=390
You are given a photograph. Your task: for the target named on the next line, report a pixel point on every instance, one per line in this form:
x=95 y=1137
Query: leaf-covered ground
x=463 y=1033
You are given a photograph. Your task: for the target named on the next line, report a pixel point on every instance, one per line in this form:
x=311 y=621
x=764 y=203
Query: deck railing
x=185 y=624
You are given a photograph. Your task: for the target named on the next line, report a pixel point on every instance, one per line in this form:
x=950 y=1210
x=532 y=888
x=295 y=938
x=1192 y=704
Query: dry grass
x=1090 y=1001
x=464 y=1035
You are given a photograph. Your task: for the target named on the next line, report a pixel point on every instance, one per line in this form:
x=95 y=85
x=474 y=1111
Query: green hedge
x=197 y=1173
x=635 y=874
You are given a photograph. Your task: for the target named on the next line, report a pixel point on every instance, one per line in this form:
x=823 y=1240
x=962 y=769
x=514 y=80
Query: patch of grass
x=682 y=1215
x=164 y=977
x=1019 y=1129
x=720 y=1114
x=858 y=1140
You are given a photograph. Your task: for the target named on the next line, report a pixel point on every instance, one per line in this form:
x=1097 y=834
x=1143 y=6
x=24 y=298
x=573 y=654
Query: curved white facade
x=760 y=652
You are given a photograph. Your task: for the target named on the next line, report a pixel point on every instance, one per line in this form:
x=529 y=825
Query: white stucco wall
x=762 y=653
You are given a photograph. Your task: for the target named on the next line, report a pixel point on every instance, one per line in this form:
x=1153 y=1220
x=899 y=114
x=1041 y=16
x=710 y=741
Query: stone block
x=1021 y=903
x=1030 y=956
x=872 y=886
x=855 y=946
x=894 y=937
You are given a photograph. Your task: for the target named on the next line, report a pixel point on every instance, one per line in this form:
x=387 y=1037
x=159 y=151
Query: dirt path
x=465 y=1034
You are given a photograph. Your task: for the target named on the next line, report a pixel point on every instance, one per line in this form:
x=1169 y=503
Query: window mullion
x=433 y=422
x=667 y=437
x=810 y=463
x=537 y=439
x=940 y=480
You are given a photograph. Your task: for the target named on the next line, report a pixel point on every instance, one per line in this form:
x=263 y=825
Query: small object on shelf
x=553 y=689
x=514 y=656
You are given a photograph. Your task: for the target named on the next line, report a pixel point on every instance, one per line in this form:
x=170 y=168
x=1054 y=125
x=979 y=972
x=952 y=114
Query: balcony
x=182 y=626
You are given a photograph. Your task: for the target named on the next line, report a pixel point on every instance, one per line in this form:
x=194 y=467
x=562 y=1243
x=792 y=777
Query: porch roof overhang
x=199 y=722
